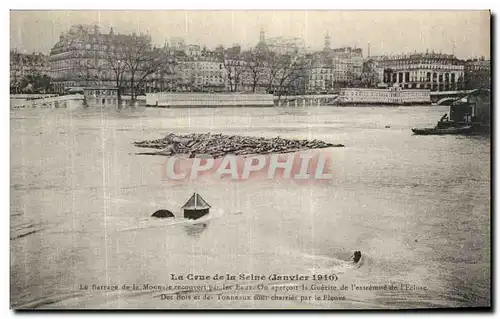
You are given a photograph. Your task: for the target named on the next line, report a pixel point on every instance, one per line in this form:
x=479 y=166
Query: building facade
x=285 y=45
x=433 y=71
x=332 y=69
x=372 y=75
x=81 y=57
x=203 y=73
x=352 y=56
x=177 y=43
x=325 y=76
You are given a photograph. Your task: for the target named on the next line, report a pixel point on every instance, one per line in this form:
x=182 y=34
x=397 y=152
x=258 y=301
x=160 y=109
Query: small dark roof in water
x=196 y=202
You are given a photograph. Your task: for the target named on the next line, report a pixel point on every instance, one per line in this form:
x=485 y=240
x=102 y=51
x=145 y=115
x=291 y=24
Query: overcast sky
x=387 y=31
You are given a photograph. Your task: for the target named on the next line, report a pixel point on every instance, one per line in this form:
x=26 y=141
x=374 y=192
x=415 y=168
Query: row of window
x=96 y=93
x=478 y=68
x=211 y=66
x=426 y=61
x=428 y=78
x=101 y=47
x=340 y=79
x=384 y=93
x=435 y=80
x=210 y=77
x=419 y=66
x=335 y=68
x=329 y=77
x=424 y=72
x=208 y=82
x=209 y=73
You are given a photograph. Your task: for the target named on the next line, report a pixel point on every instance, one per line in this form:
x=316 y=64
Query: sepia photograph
x=250 y=160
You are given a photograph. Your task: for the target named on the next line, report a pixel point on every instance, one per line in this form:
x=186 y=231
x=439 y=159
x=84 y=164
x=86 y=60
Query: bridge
x=439 y=98
x=446 y=97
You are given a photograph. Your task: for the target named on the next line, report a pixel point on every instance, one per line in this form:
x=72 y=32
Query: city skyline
x=464 y=33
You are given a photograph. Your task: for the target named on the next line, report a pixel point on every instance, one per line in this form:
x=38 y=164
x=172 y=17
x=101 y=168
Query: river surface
x=417 y=207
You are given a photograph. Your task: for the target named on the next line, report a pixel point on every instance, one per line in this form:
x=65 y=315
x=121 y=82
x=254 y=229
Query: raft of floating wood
x=218 y=145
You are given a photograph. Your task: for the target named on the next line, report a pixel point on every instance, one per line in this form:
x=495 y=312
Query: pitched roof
x=196 y=202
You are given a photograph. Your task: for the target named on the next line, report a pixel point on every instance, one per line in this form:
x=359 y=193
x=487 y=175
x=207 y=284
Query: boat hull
x=443 y=131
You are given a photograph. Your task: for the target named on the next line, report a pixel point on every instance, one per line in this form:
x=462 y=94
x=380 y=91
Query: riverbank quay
x=187 y=100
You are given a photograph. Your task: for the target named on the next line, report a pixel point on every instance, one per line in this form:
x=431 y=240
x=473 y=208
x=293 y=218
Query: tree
x=140 y=62
x=168 y=73
x=255 y=65
x=115 y=61
x=235 y=67
x=370 y=75
x=36 y=83
x=185 y=74
x=274 y=68
x=476 y=79
x=89 y=71
x=153 y=62
x=290 y=73
x=15 y=83
x=28 y=73
x=136 y=62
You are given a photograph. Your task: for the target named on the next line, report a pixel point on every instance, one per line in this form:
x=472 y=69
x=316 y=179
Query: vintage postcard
x=250 y=160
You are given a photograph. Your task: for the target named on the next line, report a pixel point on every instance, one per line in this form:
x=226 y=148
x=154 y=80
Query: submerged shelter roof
x=196 y=202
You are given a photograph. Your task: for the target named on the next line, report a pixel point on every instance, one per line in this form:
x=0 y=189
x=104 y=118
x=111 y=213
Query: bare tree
x=89 y=71
x=135 y=63
x=235 y=67
x=15 y=78
x=140 y=61
x=255 y=67
x=185 y=74
x=153 y=62
x=115 y=62
x=169 y=74
x=229 y=74
x=128 y=66
x=289 y=74
x=32 y=77
x=274 y=68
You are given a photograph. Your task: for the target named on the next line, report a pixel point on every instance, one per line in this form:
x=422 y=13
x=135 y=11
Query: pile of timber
x=219 y=145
